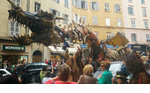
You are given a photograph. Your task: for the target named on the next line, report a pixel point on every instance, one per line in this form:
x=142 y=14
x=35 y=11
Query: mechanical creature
x=41 y=24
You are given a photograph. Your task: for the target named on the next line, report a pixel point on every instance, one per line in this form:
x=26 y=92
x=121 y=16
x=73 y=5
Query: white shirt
x=46 y=79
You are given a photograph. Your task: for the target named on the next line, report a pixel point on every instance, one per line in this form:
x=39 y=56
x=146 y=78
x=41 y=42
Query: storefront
x=12 y=53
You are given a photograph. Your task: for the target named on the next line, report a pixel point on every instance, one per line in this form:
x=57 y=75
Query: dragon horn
x=12 y=4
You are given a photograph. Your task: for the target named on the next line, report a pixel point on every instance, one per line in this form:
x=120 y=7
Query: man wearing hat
x=120 y=78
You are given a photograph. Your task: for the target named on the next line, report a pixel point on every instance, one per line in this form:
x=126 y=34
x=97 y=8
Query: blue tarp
x=110 y=46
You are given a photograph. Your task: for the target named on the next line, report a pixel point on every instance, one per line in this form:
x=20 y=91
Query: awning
x=60 y=50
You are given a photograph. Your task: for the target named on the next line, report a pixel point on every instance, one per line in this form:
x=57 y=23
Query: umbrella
x=118 y=39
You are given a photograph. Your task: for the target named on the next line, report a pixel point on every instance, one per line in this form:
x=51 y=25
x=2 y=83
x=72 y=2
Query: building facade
x=104 y=17
x=137 y=21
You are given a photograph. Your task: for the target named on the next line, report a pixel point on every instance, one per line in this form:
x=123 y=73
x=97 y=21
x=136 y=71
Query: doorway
x=37 y=56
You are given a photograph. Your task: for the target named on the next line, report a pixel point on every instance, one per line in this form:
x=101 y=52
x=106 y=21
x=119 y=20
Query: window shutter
x=91 y=5
x=97 y=6
x=78 y=19
x=12 y=27
x=78 y=3
x=86 y=5
x=51 y=10
x=73 y=2
x=107 y=21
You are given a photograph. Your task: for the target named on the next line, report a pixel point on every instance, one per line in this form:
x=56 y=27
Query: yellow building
x=104 y=17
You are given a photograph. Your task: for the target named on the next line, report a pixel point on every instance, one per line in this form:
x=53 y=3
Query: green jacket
x=106 y=78
x=42 y=74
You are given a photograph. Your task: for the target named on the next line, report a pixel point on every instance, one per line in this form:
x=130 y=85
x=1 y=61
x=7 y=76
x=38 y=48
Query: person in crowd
x=18 y=63
x=120 y=78
x=147 y=67
x=43 y=73
x=64 y=72
x=135 y=66
x=49 y=62
x=9 y=79
x=148 y=59
x=106 y=77
x=46 y=61
x=124 y=68
x=24 y=77
x=92 y=63
x=5 y=64
x=48 y=77
x=87 y=77
x=144 y=58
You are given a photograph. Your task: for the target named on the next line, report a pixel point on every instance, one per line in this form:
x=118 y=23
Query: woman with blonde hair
x=87 y=77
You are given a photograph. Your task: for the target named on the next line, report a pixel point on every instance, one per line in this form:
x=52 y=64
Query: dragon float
x=44 y=31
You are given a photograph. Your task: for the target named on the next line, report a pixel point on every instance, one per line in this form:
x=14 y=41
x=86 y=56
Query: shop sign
x=13 y=48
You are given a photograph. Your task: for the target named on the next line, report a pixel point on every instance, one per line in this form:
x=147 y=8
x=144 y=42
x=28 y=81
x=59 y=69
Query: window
x=37 y=7
x=94 y=5
x=66 y=3
x=130 y=10
x=119 y=22
x=95 y=20
x=133 y=23
x=84 y=19
x=142 y=1
x=106 y=7
x=84 y=4
x=57 y=1
x=147 y=38
x=75 y=16
x=146 y=24
x=109 y=35
x=66 y=17
x=133 y=37
x=117 y=8
x=17 y=2
x=130 y=1
x=56 y=13
x=14 y=28
x=122 y=33
x=144 y=12
x=107 y=21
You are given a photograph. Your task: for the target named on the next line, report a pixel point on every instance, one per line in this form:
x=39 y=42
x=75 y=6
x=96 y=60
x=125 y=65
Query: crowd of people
x=134 y=70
